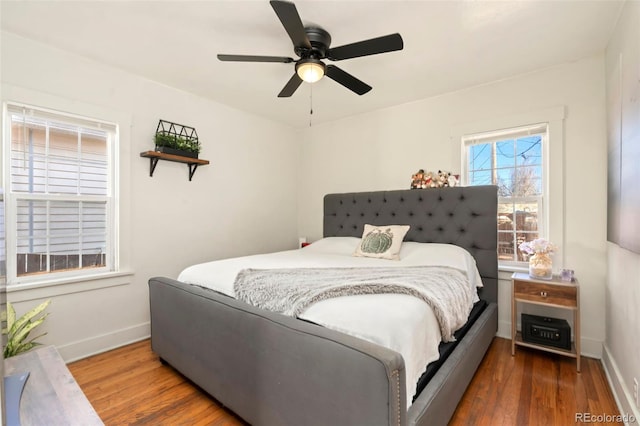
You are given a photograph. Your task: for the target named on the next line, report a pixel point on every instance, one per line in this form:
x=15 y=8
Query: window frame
x=554 y=167
x=12 y=198
x=513 y=133
x=3 y=237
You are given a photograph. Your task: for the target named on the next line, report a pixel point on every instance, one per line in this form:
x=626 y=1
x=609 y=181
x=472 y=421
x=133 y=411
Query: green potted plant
x=176 y=139
x=176 y=145
x=18 y=330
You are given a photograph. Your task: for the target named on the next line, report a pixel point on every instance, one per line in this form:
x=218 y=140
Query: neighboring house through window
x=60 y=204
x=513 y=159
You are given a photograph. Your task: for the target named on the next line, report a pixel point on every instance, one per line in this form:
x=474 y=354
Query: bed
x=273 y=369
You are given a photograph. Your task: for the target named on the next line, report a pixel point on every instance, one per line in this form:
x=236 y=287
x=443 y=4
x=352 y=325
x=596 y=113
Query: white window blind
x=60 y=202
x=499 y=135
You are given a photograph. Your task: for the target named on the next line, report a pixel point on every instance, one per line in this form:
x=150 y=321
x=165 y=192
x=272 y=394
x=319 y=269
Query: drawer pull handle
x=543 y=294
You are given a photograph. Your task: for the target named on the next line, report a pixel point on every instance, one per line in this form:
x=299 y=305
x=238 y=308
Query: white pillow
x=382 y=242
x=334 y=245
x=414 y=254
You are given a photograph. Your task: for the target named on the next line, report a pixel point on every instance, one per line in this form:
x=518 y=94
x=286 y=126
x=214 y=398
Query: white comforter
x=402 y=323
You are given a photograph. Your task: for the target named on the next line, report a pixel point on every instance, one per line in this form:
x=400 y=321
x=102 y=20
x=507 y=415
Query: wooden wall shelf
x=154 y=156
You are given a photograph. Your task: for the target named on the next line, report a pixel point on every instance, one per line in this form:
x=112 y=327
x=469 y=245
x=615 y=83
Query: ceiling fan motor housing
x=320 y=41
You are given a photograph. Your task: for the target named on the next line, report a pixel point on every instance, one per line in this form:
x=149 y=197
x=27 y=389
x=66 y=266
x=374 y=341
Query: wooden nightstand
x=556 y=293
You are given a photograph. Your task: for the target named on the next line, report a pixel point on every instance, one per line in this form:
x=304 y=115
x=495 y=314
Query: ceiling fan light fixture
x=310 y=70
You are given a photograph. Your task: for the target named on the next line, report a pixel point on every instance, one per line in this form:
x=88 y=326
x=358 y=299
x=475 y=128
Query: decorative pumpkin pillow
x=382 y=242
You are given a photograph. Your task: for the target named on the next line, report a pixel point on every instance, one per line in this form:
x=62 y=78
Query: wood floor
x=130 y=386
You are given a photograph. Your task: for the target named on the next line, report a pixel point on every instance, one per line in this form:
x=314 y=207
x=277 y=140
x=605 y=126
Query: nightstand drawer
x=564 y=295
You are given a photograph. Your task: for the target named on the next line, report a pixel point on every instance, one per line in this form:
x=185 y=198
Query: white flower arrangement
x=539 y=245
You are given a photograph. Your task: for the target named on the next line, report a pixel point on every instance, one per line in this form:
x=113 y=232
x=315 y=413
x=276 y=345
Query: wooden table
x=51 y=395
x=556 y=293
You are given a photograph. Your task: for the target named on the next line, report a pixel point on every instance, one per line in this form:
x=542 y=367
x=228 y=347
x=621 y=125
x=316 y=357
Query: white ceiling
x=448 y=45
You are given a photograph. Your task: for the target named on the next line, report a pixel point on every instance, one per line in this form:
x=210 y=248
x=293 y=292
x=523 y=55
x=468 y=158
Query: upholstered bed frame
x=275 y=370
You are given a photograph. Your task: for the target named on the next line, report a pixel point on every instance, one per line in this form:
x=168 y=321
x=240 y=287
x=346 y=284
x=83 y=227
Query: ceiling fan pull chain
x=310 y=103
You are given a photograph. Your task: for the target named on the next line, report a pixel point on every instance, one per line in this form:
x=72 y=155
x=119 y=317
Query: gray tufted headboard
x=464 y=216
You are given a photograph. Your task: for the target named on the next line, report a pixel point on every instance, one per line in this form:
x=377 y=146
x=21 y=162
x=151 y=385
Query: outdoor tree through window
x=513 y=160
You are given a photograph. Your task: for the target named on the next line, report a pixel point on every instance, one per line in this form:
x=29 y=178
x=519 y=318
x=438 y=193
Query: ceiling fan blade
x=252 y=58
x=291 y=22
x=291 y=86
x=347 y=80
x=373 y=46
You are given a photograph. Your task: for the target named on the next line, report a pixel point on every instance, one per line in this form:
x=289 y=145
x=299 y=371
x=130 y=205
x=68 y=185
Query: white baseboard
x=621 y=393
x=504 y=329
x=589 y=347
x=97 y=344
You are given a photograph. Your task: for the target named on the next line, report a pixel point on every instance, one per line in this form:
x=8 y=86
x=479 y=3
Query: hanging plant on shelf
x=176 y=145
x=176 y=139
x=18 y=330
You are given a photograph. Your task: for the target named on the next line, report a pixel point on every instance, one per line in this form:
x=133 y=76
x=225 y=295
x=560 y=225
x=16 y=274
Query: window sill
x=506 y=271
x=58 y=287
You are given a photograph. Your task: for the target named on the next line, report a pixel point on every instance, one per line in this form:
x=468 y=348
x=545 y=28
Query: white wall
x=255 y=161
x=622 y=346
x=244 y=202
x=380 y=150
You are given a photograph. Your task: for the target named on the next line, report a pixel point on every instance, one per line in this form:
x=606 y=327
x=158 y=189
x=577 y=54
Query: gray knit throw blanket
x=291 y=291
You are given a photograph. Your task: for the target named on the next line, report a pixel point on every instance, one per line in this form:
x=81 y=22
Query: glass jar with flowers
x=540 y=263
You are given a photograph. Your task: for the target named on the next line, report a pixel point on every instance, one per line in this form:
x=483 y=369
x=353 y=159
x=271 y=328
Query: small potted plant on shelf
x=176 y=145
x=176 y=139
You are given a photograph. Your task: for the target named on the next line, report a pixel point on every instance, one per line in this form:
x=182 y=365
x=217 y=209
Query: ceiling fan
x=311 y=44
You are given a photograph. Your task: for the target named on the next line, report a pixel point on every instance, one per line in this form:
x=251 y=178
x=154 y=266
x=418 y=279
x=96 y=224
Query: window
x=3 y=254
x=513 y=160
x=60 y=204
